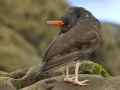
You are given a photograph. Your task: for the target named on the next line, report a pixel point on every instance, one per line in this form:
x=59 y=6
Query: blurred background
x=24 y=33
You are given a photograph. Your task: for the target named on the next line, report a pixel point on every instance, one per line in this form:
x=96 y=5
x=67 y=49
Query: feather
x=76 y=43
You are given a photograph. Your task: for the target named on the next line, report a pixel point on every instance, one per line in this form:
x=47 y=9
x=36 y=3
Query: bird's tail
x=59 y=62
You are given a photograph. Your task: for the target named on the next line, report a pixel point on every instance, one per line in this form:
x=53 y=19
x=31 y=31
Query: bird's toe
x=81 y=83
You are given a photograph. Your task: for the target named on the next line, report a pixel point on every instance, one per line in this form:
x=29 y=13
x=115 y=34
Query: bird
x=79 y=35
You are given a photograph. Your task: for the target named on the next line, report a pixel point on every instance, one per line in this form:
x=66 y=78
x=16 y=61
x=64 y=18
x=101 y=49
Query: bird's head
x=68 y=19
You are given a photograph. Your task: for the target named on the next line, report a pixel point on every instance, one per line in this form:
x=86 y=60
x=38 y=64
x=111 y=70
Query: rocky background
x=24 y=35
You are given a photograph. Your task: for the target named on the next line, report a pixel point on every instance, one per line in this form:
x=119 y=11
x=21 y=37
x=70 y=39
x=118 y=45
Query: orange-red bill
x=59 y=22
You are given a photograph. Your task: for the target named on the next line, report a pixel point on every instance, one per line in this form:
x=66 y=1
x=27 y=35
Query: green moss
x=96 y=70
x=17 y=85
x=88 y=67
x=2 y=73
x=29 y=80
x=102 y=72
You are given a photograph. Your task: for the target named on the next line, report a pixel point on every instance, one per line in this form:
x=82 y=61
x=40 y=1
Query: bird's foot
x=67 y=79
x=81 y=83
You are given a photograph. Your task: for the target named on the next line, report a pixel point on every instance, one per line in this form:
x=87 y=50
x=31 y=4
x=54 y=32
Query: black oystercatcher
x=79 y=35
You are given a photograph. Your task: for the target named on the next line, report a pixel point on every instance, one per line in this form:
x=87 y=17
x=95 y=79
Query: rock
x=29 y=18
x=2 y=73
x=17 y=73
x=6 y=83
x=95 y=83
x=26 y=77
x=57 y=83
x=23 y=31
x=15 y=51
x=86 y=67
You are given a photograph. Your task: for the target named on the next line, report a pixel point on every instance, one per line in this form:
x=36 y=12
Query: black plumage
x=78 y=37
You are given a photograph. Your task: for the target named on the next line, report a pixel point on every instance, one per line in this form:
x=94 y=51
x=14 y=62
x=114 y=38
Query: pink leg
x=67 y=79
x=81 y=83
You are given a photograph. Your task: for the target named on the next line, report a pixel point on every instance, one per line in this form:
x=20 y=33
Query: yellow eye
x=68 y=25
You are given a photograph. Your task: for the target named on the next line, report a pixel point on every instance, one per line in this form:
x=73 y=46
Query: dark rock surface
x=95 y=83
x=57 y=83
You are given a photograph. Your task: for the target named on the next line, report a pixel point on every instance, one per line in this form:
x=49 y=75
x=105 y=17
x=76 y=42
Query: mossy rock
x=2 y=73
x=96 y=69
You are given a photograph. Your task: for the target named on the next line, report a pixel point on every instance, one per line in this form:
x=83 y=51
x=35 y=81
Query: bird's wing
x=69 y=46
x=50 y=45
